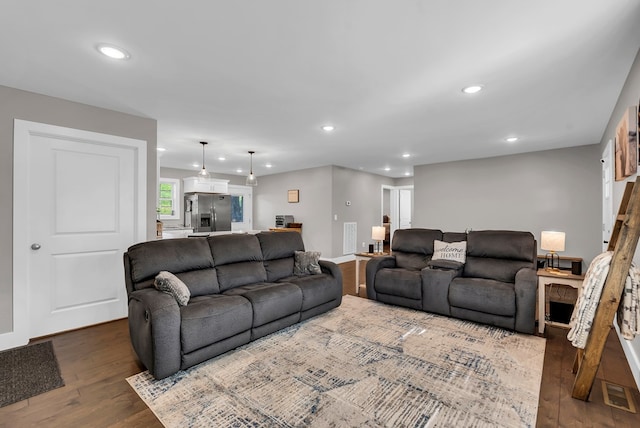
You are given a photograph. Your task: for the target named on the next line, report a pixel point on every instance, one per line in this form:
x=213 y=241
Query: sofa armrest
x=154 y=326
x=330 y=268
x=373 y=266
x=526 y=286
x=435 y=285
x=445 y=264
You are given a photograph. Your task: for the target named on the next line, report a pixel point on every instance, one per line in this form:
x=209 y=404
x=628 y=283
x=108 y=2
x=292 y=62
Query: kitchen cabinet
x=211 y=185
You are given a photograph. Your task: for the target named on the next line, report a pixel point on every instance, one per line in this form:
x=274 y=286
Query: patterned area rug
x=362 y=364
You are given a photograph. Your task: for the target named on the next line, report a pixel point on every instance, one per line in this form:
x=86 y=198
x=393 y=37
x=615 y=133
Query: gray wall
x=364 y=191
x=629 y=96
x=324 y=192
x=548 y=190
x=16 y=104
x=313 y=210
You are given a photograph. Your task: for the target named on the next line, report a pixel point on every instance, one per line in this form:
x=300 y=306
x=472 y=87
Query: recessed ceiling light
x=407 y=174
x=472 y=89
x=386 y=168
x=161 y=149
x=221 y=158
x=113 y=51
x=512 y=139
x=405 y=155
x=195 y=165
x=268 y=165
x=238 y=170
x=328 y=128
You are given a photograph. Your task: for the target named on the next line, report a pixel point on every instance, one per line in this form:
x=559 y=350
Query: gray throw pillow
x=169 y=283
x=306 y=263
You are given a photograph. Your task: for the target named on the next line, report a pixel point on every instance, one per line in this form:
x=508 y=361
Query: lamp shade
x=552 y=241
x=377 y=233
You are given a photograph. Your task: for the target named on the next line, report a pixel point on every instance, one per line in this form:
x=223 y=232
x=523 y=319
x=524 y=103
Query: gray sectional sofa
x=241 y=287
x=495 y=285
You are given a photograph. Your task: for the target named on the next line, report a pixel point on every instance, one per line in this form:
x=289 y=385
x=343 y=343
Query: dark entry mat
x=28 y=371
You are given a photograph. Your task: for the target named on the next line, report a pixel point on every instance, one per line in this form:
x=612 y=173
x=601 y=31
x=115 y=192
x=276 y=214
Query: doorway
x=397 y=205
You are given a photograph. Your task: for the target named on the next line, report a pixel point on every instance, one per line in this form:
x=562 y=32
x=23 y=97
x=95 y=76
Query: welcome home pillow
x=456 y=251
x=169 y=283
x=306 y=263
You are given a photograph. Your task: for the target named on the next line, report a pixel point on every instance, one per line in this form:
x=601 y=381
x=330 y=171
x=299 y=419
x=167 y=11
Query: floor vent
x=617 y=396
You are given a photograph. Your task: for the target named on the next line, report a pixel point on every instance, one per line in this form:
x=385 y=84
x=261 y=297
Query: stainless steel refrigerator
x=207 y=212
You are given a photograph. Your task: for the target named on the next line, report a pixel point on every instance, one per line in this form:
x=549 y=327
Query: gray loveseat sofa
x=496 y=285
x=241 y=286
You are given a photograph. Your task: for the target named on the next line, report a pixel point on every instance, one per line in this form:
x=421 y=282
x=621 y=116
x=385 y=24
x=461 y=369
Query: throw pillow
x=169 y=283
x=456 y=251
x=306 y=263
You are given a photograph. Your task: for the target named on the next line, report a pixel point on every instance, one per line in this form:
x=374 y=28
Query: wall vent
x=350 y=238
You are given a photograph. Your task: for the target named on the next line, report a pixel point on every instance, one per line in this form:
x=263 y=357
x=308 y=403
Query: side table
x=545 y=278
x=364 y=257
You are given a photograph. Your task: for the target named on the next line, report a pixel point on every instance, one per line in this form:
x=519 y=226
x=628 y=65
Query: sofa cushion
x=498 y=269
x=456 y=251
x=499 y=254
x=241 y=273
x=279 y=245
x=316 y=289
x=234 y=248
x=200 y=282
x=169 y=283
x=147 y=259
x=210 y=319
x=399 y=282
x=483 y=295
x=411 y=261
x=278 y=269
x=502 y=244
x=418 y=241
x=270 y=301
x=306 y=263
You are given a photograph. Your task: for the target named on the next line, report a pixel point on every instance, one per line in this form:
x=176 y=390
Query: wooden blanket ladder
x=623 y=242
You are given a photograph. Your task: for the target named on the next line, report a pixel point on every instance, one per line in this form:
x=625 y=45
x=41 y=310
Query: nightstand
x=549 y=277
x=364 y=257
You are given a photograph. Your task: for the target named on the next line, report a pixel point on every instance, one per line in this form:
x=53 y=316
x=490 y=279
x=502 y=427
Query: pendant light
x=252 y=180
x=203 y=174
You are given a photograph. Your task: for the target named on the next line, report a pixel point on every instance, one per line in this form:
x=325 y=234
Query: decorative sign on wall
x=293 y=196
x=626 y=151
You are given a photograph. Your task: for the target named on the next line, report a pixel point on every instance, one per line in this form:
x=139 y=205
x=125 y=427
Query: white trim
x=177 y=196
x=22 y=131
x=632 y=356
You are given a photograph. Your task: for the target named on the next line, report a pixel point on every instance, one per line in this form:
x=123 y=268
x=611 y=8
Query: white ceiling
x=265 y=75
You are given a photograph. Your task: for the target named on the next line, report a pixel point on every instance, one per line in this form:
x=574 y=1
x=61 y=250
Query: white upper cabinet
x=211 y=185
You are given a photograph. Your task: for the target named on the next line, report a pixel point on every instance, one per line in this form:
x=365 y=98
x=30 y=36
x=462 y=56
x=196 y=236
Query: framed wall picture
x=293 y=196
x=626 y=150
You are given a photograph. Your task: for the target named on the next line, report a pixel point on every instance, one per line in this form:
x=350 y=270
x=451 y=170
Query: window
x=237 y=208
x=169 y=199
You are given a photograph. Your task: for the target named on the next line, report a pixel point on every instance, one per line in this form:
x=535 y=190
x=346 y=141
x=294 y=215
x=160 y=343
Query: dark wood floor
x=95 y=362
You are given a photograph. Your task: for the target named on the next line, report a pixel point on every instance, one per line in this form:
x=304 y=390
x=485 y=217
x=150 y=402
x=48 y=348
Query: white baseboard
x=631 y=350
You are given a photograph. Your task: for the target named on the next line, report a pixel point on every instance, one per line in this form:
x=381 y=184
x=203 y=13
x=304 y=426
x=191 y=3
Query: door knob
x=35 y=246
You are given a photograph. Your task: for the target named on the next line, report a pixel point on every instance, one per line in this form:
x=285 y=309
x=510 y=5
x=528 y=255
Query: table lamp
x=552 y=242
x=377 y=234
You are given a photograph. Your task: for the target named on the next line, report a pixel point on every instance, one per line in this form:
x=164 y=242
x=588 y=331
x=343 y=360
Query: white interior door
x=607 y=195
x=242 y=220
x=404 y=204
x=82 y=202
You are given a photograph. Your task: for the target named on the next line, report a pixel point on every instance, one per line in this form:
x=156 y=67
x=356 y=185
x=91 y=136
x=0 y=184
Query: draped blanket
x=585 y=309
